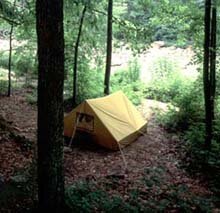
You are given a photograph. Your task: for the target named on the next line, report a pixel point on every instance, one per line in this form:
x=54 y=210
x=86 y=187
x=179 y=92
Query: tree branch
x=9 y=20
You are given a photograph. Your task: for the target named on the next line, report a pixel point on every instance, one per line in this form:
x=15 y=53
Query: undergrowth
x=128 y=80
x=187 y=118
x=154 y=194
x=188 y=121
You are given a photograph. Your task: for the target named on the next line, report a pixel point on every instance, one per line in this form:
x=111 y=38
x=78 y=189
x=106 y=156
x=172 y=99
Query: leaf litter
x=156 y=150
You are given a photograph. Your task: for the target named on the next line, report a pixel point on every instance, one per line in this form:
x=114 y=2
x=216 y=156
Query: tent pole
x=74 y=129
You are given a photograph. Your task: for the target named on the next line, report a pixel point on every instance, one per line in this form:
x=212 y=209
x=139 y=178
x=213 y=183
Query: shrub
x=189 y=120
x=87 y=197
x=4 y=60
x=3 y=86
x=128 y=80
x=154 y=195
x=90 y=85
x=32 y=98
x=167 y=81
x=25 y=62
x=162 y=68
x=90 y=81
x=190 y=109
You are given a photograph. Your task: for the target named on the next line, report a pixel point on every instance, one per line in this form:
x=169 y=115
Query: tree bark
x=109 y=49
x=209 y=69
x=50 y=41
x=206 y=83
x=10 y=55
x=213 y=61
x=9 y=60
x=75 y=66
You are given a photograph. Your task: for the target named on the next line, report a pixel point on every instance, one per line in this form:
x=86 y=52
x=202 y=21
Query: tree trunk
x=213 y=61
x=109 y=49
x=9 y=60
x=10 y=55
x=76 y=56
x=50 y=41
x=209 y=67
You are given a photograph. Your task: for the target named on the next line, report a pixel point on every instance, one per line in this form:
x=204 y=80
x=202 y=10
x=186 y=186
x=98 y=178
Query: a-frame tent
x=112 y=121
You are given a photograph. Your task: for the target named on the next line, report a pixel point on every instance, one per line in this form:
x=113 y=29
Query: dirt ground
x=155 y=149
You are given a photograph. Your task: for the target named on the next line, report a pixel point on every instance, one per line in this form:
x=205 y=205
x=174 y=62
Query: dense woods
x=164 y=56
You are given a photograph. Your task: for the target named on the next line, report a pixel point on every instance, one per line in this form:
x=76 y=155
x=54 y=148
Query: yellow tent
x=112 y=121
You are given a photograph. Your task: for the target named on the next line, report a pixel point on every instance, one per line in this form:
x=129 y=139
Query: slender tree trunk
x=209 y=67
x=206 y=67
x=9 y=60
x=75 y=66
x=109 y=49
x=213 y=61
x=10 y=55
x=50 y=41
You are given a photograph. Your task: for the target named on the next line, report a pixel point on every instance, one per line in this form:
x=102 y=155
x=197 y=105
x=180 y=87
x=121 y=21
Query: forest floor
x=154 y=161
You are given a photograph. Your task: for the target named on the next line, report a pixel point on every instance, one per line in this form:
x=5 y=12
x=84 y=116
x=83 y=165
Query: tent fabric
x=112 y=121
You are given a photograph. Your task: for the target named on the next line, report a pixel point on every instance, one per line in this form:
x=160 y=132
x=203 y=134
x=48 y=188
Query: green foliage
x=189 y=120
x=162 y=68
x=154 y=194
x=127 y=76
x=24 y=35
x=32 y=97
x=90 y=73
x=168 y=196
x=9 y=193
x=18 y=194
x=89 y=81
x=4 y=60
x=87 y=197
x=199 y=160
x=128 y=80
x=189 y=103
x=157 y=20
x=3 y=86
x=167 y=81
x=8 y=11
x=25 y=62
x=133 y=74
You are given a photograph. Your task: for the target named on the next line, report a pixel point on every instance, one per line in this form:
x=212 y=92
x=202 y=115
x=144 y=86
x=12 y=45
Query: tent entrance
x=84 y=122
